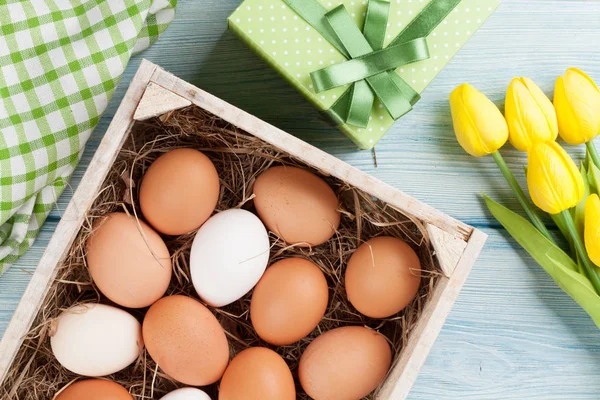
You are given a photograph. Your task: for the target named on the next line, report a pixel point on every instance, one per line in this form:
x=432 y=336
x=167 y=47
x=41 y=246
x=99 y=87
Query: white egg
x=186 y=394
x=96 y=340
x=229 y=255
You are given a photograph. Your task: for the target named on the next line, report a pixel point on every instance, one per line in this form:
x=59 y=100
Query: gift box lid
x=295 y=49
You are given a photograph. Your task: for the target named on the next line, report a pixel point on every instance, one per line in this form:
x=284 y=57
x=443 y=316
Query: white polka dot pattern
x=295 y=49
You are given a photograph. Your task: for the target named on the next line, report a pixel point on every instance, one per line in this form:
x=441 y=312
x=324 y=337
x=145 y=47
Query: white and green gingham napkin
x=60 y=61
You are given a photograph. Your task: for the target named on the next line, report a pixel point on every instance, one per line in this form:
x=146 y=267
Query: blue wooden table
x=512 y=334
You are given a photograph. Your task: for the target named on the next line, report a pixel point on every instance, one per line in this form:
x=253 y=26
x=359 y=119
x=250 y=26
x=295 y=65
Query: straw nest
x=240 y=158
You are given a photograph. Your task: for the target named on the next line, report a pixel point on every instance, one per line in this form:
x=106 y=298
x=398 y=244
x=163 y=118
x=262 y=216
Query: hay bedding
x=239 y=158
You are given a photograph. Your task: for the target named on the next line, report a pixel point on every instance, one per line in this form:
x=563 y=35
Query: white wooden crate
x=153 y=92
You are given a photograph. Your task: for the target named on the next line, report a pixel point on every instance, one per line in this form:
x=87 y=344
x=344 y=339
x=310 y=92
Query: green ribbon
x=370 y=68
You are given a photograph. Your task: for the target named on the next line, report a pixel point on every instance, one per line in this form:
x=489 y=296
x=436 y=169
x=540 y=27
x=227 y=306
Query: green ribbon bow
x=370 y=68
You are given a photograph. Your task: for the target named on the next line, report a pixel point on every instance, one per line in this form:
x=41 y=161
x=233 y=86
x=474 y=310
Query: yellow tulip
x=592 y=228
x=530 y=115
x=577 y=103
x=479 y=126
x=555 y=184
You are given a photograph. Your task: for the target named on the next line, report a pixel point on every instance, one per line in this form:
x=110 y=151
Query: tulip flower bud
x=554 y=181
x=577 y=103
x=530 y=115
x=592 y=228
x=479 y=126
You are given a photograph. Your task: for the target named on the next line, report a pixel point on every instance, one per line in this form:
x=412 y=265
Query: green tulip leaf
x=560 y=223
x=579 y=265
x=593 y=178
x=586 y=160
x=550 y=257
x=562 y=227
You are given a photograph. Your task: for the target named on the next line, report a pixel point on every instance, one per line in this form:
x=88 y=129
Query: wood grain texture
x=448 y=248
x=158 y=101
x=512 y=334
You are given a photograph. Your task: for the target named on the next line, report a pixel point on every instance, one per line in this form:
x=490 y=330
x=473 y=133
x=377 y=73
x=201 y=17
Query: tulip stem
x=516 y=188
x=593 y=152
x=588 y=267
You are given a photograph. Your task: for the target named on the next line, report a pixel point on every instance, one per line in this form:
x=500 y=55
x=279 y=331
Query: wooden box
x=154 y=92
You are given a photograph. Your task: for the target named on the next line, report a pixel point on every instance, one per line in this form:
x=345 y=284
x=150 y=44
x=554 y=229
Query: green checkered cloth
x=60 y=61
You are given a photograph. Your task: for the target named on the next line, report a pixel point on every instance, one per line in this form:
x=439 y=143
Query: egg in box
x=94 y=389
x=229 y=255
x=187 y=393
x=296 y=205
x=180 y=191
x=382 y=277
x=185 y=339
x=96 y=339
x=257 y=373
x=345 y=363
x=289 y=301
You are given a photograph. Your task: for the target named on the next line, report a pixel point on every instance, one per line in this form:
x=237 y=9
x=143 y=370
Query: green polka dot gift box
x=364 y=64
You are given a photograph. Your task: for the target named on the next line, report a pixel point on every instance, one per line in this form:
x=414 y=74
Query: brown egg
x=382 y=277
x=128 y=261
x=94 y=389
x=289 y=301
x=257 y=373
x=186 y=341
x=345 y=363
x=296 y=205
x=179 y=191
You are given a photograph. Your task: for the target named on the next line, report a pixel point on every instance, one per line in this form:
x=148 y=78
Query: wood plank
x=512 y=334
x=14 y=281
